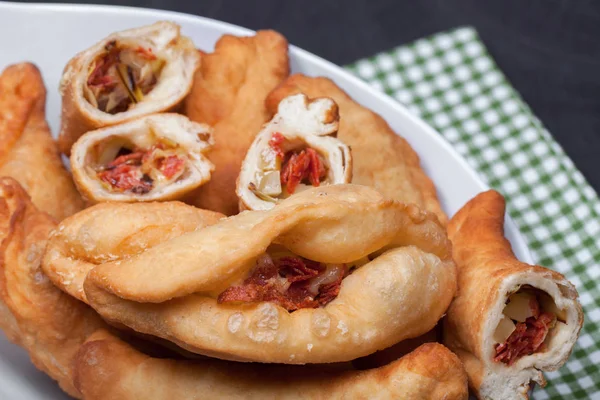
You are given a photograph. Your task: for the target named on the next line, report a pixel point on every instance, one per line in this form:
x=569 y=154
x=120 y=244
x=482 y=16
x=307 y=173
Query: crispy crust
x=28 y=152
x=194 y=138
x=381 y=158
x=386 y=356
x=228 y=94
x=312 y=121
x=107 y=368
x=111 y=232
x=173 y=295
x=50 y=325
x=487 y=272
x=79 y=117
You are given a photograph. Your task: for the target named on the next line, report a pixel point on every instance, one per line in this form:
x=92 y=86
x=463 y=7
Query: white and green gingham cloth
x=451 y=82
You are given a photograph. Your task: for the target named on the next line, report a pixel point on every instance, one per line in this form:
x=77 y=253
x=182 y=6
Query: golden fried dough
x=386 y=356
x=108 y=368
x=510 y=320
x=380 y=158
x=400 y=290
x=228 y=93
x=49 y=324
x=28 y=152
x=157 y=62
x=111 y=232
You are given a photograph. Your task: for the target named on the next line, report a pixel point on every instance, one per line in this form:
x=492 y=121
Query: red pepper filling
x=100 y=75
x=146 y=53
x=298 y=166
x=121 y=76
x=170 y=165
x=289 y=282
x=527 y=338
x=125 y=173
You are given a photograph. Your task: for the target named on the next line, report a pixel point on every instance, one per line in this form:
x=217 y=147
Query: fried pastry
x=108 y=368
x=380 y=158
x=329 y=275
x=510 y=321
x=114 y=231
x=49 y=324
x=154 y=158
x=296 y=150
x=28 y=152
x=385 y=356
x=228 y=93
x=127 y=75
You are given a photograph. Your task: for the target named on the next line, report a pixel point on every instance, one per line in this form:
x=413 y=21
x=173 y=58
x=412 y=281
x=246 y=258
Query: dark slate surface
x=548 y=49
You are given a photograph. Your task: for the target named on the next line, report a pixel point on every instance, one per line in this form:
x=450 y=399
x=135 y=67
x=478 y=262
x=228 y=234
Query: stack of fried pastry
x=333 y=281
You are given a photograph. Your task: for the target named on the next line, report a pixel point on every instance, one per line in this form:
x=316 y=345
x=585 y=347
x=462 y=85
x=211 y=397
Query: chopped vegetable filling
x=298 y=165
x=301 y=167
x=292 y=282
x=136 y=171
x=527 y=335
x=121 y=77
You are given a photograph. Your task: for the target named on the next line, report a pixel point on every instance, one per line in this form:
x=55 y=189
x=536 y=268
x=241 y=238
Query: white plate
x=49 y=35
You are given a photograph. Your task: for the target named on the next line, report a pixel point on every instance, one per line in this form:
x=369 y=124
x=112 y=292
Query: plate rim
x=327 y=66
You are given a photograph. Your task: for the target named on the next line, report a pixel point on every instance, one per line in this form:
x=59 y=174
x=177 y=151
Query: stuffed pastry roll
x=510 y=321
x=229 y=94
x=380 y=158
x=127 y=75
x=296 y=150
x=109 y=368
x=157 y=157
x=28 y=153
x=46 y=322
x=288 y=285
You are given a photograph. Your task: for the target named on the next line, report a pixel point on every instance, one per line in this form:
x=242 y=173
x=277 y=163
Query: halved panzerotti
x=127 y=75
x=157 y=157
x=510 y=321
x=293 y=152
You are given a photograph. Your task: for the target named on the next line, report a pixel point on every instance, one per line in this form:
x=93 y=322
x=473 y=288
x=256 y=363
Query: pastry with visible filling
x=294 y=151
x=381 y=158
x=109 y=368
x=288 y=285
x=28 y=152
x=510 y=321
x=229 y=94
x=127 y=75
x=154 y=158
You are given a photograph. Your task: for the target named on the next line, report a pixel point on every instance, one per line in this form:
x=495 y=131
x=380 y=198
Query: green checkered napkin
x=452 y=82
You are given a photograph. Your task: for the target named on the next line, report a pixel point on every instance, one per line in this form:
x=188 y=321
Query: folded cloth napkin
x=451 y=81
